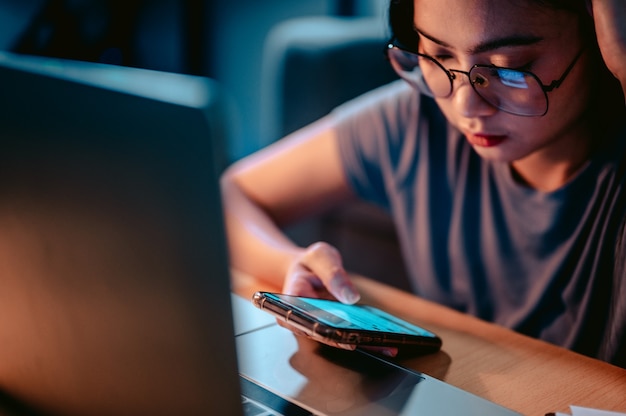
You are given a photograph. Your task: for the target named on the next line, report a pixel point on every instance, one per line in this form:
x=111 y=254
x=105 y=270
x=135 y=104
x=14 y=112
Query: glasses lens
x=512 y=91
x=424 y=73
x=516 y=92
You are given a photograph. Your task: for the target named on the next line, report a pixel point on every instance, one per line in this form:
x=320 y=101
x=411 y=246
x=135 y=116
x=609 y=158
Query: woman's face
x=516 y=34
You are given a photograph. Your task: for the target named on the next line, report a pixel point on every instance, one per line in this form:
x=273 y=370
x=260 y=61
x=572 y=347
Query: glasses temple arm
x=557 y=82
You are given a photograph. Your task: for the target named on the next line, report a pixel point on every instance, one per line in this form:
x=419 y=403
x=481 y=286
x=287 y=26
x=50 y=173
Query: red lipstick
x=484 y=140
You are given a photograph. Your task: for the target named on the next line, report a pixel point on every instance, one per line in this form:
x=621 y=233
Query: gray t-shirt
x=474 y=238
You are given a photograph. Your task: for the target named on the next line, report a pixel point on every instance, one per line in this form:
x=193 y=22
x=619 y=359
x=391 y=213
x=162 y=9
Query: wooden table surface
x=524 y=374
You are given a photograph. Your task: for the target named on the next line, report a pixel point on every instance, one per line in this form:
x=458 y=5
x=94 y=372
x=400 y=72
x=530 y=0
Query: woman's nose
x=467 y=102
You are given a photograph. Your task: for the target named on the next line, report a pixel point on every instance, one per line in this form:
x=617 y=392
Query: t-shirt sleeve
x=371 y=130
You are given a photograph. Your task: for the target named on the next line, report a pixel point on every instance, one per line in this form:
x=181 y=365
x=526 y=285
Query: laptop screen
x=114 y=285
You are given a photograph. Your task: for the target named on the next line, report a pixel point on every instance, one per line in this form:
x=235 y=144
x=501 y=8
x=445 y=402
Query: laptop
x=114 y=284
x=114 y=279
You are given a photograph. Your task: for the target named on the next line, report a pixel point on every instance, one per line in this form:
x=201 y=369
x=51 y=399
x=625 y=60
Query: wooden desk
x=518 y=372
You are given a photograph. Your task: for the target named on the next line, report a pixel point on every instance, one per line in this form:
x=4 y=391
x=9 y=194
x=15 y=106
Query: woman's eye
x=524 y=68
x=442 y=58
x=439 y=55
x=514 y=65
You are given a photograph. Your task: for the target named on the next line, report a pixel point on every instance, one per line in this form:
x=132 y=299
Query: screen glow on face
x=356 y=317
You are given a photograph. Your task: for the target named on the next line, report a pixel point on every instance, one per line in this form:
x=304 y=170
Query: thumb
x=341 y=287
x=325 y=261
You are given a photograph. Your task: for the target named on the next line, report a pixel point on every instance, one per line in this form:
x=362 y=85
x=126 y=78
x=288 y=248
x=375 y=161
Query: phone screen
x=358 y=317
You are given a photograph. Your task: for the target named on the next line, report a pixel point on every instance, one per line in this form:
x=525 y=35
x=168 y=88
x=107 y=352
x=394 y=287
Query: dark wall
x=140 y=33
x=220 y=39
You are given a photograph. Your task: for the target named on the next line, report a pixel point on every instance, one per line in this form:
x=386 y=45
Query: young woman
x=501 y=157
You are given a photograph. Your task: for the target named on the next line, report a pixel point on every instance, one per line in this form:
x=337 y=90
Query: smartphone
x=347 y=326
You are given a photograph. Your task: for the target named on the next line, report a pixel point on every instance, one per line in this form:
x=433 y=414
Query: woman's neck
x=551 y=167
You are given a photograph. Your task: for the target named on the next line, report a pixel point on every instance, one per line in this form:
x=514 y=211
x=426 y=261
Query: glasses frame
x=451 y=73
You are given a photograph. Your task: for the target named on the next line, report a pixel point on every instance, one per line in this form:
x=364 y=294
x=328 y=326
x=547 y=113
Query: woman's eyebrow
x=490 y=45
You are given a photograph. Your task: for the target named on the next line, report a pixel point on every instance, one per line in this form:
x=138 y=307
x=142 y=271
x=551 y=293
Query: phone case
x=348 y=338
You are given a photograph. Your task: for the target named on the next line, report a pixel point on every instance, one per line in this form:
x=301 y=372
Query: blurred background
x=282 y=63
x=224 y=40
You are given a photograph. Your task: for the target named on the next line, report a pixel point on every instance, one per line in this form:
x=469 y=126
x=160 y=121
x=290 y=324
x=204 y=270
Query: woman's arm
x=610 y=23
x=297 y=177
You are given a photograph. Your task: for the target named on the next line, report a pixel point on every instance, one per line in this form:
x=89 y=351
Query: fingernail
x=343 y=290
x=349 y=295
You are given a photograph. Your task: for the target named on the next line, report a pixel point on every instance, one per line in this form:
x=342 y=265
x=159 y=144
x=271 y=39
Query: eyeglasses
x=513 y=91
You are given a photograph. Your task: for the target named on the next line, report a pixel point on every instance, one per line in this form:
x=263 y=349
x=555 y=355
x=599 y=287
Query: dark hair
x=401 y=23
x=402 y=29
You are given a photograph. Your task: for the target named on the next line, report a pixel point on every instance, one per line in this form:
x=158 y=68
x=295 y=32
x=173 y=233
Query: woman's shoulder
x=389 y=113
x=394 y=95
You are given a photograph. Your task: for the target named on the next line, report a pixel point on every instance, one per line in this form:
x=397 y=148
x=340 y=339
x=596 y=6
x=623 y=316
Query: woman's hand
x=610 y=23
x=319 y=272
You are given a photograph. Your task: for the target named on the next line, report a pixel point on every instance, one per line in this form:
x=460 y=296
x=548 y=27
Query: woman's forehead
x=467 y=23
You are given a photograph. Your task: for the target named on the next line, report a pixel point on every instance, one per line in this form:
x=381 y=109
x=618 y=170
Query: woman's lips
x=484 y=140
